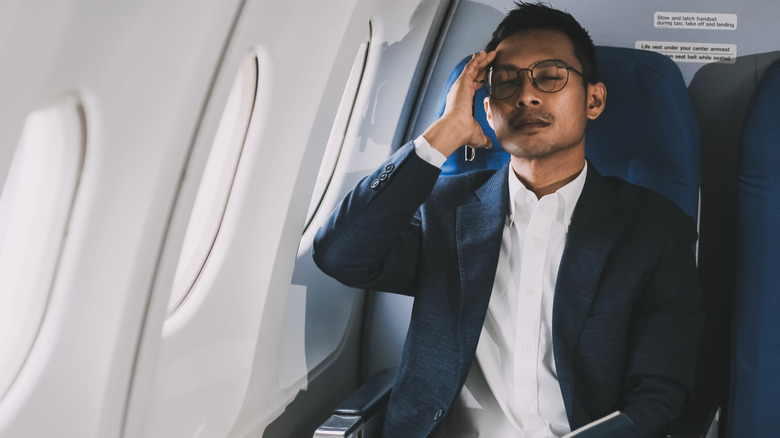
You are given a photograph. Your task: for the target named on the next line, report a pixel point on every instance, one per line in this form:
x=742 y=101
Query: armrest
x=362 y=413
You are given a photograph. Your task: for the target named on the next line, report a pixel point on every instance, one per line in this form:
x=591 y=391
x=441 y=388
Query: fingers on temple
x=476 y=68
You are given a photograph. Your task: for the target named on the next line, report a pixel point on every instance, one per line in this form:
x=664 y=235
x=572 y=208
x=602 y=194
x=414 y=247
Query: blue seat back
x=755 y=373
x=648 y=133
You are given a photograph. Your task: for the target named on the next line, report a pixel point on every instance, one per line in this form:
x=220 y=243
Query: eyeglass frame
x=530 y=70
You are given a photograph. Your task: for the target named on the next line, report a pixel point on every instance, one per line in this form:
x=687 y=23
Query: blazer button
x=382 y=176
x=374 y=184
x=438 y=414
x=389 y=167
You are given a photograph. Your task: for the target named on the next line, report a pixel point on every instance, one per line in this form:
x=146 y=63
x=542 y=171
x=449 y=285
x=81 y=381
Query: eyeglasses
x=547 y=76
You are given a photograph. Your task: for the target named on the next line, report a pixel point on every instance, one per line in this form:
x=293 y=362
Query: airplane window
x=339 y=129
x=214 y=190
x=35 y=206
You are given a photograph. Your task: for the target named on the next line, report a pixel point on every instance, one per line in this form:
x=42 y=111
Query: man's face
x=536 y=125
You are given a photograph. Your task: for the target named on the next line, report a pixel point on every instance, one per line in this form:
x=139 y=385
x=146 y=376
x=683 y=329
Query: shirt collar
x=568 y=195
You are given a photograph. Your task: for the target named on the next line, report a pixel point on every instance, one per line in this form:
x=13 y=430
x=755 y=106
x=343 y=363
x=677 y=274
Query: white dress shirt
x=512 y=389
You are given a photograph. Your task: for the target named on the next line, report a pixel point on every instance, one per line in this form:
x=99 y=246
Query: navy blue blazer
x=626 y=315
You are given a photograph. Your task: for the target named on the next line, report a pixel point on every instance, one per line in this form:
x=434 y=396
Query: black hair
x=533 y=16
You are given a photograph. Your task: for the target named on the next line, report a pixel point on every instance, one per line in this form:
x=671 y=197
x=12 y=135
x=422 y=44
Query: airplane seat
x=648 y=135
x=755 y=388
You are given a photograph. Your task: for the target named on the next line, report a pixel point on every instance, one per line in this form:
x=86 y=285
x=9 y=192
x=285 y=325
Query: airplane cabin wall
x=142 y=83
x=225 y=365
x=153 y=80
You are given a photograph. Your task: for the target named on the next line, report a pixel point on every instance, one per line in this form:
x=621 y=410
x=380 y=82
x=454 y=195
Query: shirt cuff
x=425 y=151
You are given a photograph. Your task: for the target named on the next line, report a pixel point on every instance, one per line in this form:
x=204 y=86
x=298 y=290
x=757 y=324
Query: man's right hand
x=457 y=126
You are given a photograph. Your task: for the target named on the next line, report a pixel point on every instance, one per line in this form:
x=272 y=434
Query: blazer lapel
x=478 y=227
x=594 y=228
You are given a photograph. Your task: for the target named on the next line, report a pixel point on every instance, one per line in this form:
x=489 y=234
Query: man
x=546 y=295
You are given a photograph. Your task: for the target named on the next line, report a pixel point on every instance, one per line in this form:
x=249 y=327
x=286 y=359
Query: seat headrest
x=648 y=133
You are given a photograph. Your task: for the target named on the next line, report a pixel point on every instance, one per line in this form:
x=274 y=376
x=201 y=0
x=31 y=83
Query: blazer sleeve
x=372 y=239
x=665 y=334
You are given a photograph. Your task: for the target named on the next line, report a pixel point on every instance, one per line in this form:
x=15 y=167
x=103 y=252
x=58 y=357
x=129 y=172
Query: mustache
x=529 y=116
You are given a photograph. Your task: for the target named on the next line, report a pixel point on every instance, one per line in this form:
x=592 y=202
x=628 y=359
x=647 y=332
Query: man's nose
x=527 y=94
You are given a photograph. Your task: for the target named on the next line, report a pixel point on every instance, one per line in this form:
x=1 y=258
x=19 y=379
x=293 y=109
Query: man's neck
x=545 y=176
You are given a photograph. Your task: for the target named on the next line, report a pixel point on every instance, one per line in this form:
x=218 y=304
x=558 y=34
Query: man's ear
x=597 y=99
x=486 y=102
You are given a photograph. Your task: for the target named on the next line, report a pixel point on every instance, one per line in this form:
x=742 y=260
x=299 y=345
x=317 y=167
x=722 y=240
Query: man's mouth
x=525 y=122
